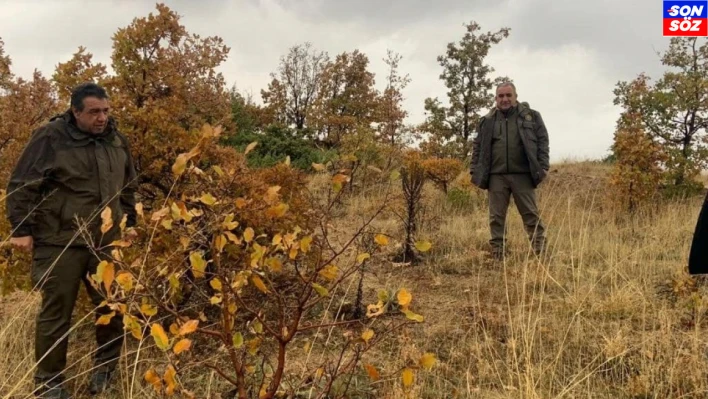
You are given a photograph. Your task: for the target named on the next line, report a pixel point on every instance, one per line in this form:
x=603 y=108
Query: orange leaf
x=189 y=327
x=182 y=346
x=372 y=372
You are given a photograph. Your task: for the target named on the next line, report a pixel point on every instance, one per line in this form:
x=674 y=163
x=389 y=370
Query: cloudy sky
x=565 y=57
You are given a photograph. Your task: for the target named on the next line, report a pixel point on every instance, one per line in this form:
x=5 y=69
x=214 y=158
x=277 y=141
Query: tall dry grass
x=607 y=312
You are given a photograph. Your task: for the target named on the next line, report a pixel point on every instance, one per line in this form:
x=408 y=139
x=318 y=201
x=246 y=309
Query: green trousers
x=501 y=189
x=58 y=272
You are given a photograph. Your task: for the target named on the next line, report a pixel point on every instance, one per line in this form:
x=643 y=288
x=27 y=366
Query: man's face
x=506 y=98
x=94 y=117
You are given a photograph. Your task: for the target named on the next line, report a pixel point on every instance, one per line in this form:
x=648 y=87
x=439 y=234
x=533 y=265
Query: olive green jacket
x=534 y=138
x=65 y=178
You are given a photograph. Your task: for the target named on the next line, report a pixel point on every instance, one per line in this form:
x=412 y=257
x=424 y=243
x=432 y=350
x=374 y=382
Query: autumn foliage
x=637 y=171
x=233 y=265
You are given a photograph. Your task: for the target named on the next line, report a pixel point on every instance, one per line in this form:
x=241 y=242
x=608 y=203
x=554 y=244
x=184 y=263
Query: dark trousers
x=520 y=186
x=58 y=272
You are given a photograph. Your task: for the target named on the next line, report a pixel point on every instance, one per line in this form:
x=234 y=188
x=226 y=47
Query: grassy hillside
x=608 y=312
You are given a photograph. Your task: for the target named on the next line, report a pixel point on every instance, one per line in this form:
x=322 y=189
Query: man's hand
x=23 y=243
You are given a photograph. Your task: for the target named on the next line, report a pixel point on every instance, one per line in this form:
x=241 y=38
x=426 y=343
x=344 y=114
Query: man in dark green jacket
x=70 y=171
x=510 y=157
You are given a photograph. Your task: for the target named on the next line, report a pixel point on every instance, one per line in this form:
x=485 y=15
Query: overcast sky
x=565 y=57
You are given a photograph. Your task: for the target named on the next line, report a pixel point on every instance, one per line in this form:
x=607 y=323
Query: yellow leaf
x=412 y=316
x=174 y=329
x=404 y=297
x=375 y=310
x=140 y=209
x=259 y=284
x=105 y=319
x=98 y=277
x=254 y=345
x=167 y=224
x=106 y=220
x=232 y=308
x=274 y=264
x=248 y=235
x=185 y=242
x=277 y=211
x=362 y=258
x=258 y=326
x=198 y=264
x=257 y=255
x=395 y=175
x=318 y=167
x=238 y=340
x=120 y=244
x=161 y=340
x=216 y=284
x=241 y=203
x=207 y=199
x=330 y=272
x=182 y=346
x=148 y=310
x=180 y=164
x=407 y=377
x=367 y=335
x=272 y=194
x=423 y=246
x=293 y=253
x=277 y=239
x=250 y=147
x=156 y=216
x=219 y=171
x=131 y=323
x=154 y=379
x=109 y=274
x=123 y=222
x=427 y=361
x=305 y=244
x=322 y=291
x=372 y=372
x=232 y=237
x=170 y=381
x=220 y=242
x=229 y=223
x=215 y=300
x=189 y=327
x=381 y=239
x=125 y=280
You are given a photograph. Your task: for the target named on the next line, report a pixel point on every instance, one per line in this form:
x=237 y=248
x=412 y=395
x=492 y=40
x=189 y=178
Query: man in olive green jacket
x=70 y=171
x=510 y=157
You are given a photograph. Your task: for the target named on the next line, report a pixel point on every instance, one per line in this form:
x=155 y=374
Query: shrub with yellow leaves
x=236 y=260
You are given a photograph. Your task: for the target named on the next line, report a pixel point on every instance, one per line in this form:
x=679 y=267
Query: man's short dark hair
x=86 y=90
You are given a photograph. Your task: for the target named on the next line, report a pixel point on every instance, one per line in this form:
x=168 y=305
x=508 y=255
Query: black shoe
x=100 y=380
x=52 y=391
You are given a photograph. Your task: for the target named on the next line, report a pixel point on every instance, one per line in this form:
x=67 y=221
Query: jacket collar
x=82 y=137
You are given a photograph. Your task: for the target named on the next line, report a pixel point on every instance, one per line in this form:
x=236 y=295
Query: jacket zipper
x=506 y=130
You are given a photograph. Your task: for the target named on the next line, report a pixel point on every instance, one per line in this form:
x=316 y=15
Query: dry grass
x=608 y=312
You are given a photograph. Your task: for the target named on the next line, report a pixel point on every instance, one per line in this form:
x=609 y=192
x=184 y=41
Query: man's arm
x=23 y=190
x=127 y=195
x=476 y=143
x=542 y=135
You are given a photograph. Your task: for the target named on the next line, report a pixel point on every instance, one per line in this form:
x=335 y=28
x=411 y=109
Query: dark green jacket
x=698 y=256
x=64 y=174
x=508 y=154
x=534 y=138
